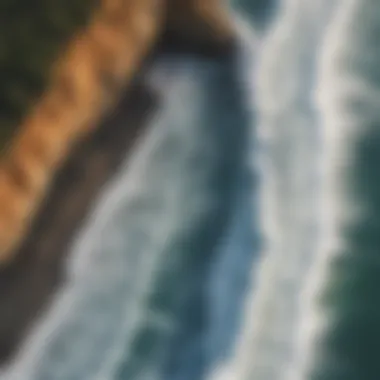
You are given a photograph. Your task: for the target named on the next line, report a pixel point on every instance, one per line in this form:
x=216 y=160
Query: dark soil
x=27 y=285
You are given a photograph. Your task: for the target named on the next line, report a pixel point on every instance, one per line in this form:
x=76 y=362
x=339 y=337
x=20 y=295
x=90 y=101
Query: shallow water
x=311 y=313
x=144 y=254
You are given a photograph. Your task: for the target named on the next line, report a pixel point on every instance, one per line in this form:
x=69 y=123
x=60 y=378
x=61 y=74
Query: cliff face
x=79 y=108
x=33 y=36
x=61 y=97
x=84 y=81
x=29 y=282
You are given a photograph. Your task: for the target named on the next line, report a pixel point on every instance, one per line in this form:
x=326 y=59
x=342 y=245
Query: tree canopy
x=32 y=34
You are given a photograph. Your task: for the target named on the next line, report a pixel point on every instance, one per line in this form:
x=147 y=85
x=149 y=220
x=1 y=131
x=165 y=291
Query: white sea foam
x=83 y=333
x=163 y=191
x=290 y=197
x=344 y=83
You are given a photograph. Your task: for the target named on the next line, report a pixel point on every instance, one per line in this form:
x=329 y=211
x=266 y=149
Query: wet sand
x=27 y=285
x=30 y=282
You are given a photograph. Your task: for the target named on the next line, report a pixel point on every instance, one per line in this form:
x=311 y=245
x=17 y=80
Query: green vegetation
x=32 y=33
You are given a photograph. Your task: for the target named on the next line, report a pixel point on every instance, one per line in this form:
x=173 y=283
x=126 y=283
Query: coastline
x=28 y=283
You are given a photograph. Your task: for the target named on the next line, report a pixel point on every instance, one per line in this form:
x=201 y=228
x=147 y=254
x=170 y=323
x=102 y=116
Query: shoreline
x=30 y=281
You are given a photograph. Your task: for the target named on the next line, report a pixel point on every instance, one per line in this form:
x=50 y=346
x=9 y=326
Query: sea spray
x=344 y=298
x=290 y=155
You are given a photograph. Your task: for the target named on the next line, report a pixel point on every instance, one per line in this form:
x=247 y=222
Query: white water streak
x=113 y=259
x=341 y=84
x=290 y=197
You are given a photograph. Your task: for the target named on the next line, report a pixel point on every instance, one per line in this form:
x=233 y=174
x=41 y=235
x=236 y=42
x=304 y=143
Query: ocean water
x=241 y=240
x=312 y=311
x=135 y=304
x=347 y=337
